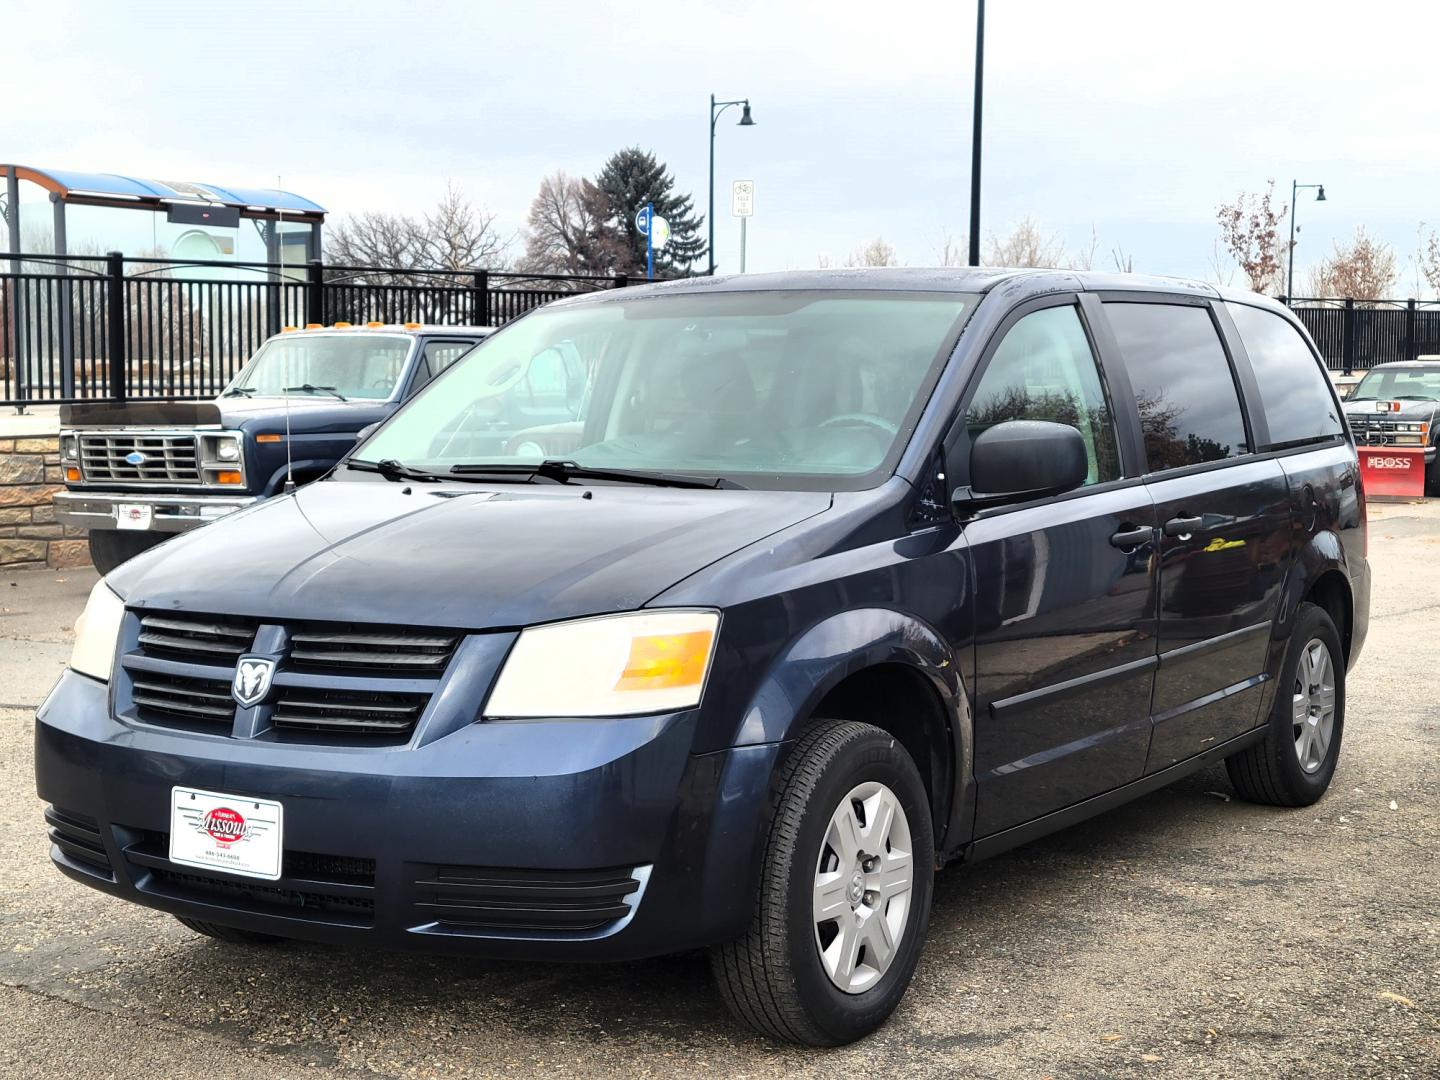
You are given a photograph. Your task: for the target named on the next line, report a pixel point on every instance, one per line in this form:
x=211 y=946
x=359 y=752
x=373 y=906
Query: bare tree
x=1084 y=258
x=455 y=236
x=1123 y=260
x=1222 y=267
x=1026 y=245
x=1250 y=231
x=1363 y=270
x=567 y=231
x=874 y=254
x=1428 y=260
x=954 y=251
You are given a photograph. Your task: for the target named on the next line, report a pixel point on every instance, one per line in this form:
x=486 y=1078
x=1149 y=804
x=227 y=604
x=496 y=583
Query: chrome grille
x=192 y=701
x=342 y=646
x=204 y=639
x=364 y=712
x=168 y=459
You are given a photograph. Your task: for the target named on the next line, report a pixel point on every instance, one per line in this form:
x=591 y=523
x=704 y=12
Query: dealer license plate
x=133 y=516
x=226 y=832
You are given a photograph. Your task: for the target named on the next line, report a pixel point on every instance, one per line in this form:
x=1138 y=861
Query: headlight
x=227 y=450
x=617 y=665
x=70 y=447
x=97 y=632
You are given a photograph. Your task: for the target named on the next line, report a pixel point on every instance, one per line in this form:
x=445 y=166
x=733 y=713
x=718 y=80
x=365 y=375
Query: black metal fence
x=1355 y=335
x=75 y=328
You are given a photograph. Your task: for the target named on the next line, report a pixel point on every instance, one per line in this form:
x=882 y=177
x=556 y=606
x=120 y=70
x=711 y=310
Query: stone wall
x=29 y=535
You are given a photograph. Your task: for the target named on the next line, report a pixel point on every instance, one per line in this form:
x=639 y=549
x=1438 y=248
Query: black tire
x=773 y=978
x=229 y=934
x=111 y=547
x=1270 y=771
x=1432 y=477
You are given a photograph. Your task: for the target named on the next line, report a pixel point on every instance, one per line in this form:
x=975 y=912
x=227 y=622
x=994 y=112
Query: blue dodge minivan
x=843 y=577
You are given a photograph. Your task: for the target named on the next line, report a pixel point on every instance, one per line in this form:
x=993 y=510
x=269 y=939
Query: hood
x=307 y=412
x=1409 y=410
x=471 y=556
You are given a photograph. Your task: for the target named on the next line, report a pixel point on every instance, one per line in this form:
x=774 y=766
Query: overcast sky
x=1134 y=119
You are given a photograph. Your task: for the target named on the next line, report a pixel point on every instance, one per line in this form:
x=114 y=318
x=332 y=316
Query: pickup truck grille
x=355 y=684
x=165 y=459
x=1373 y=431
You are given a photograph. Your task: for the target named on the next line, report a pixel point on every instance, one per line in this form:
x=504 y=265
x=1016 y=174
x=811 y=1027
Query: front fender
x=849 y=642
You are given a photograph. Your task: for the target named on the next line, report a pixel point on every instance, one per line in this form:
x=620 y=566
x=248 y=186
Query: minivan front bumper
x=485 y=841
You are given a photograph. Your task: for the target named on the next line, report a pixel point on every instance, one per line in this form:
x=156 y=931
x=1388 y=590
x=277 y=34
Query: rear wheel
x=111 y=547
x=1432 y=476
x=845 y=891
x=1293 y=765
x=229 y=934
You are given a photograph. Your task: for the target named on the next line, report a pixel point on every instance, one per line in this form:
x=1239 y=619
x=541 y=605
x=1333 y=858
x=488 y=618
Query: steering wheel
x=862 y=418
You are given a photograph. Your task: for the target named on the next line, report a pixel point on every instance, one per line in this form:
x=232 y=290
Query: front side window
x=1295 y=391
x=770 y=389
x=1184 y=388
x=1044 y=369
x=334 y=365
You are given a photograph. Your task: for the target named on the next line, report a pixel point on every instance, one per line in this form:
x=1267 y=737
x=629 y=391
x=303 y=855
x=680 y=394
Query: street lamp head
x=746 y=121
x=1321 y=197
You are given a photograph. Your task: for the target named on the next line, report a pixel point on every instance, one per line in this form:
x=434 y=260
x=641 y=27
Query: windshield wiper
x=240 y=391
x=1362 y=397
x=1411 y=397
x=564 y=471
x=391 y=469
x=311 y=388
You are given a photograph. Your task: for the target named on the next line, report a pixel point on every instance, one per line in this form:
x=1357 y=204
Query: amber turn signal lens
x=313 y=326
x=267 y=438
x=342 y=326
x=72 y=474
x=228 y=477
x=665 y=660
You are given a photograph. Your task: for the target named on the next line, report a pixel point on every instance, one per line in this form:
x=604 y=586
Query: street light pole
x=975 y=136
x=745 y=121
x=1290 y=269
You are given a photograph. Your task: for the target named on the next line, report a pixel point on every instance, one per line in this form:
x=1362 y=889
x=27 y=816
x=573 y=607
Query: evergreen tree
x=629 y=180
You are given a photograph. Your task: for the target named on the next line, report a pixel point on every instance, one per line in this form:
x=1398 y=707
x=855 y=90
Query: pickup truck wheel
x=229 y=934
x=1293 y=765
x=111 y=547
x=845 y=891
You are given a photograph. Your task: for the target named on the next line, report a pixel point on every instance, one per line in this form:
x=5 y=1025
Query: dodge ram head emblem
x=252 y=680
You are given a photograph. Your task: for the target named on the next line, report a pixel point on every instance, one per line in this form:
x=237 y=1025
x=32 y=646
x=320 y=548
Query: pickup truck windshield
x=363 y=366
x=772 y=389
x=1399 y=384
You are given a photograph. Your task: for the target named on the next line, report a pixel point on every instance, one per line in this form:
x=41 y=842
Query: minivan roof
x=956 y=279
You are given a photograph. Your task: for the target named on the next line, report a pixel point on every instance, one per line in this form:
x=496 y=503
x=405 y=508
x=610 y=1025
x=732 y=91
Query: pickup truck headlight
x=615 y=665
x=97 y=632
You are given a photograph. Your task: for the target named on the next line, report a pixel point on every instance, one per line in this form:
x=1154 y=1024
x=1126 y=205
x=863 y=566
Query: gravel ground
x=1187 y=934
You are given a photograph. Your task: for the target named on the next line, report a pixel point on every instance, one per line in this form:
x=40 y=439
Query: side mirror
x=1022 y=459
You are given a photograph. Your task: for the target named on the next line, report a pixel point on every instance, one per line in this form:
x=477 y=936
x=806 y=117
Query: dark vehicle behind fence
x=843 y=576
x=1399 y=405
x=137 y=474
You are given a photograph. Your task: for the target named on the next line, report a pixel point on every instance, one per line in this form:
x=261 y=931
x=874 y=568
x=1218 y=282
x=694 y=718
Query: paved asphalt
x=1187 y=934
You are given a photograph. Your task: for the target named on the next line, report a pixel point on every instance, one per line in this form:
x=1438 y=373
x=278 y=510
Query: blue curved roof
x=66 y=181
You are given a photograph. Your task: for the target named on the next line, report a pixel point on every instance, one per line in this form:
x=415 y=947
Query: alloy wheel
x=1313 y=705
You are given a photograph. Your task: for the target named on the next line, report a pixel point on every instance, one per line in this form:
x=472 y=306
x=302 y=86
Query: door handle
x=1129 y=537
x=1182 y=527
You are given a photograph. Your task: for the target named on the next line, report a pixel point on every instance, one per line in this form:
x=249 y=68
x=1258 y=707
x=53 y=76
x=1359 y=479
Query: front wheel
x=111 y=547
x=845 y=892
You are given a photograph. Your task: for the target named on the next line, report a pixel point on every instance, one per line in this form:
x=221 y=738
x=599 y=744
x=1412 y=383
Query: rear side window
x=1184 y=388
x=1295 y=392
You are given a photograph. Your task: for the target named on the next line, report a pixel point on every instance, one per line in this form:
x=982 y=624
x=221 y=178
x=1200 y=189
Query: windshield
x=1398 y=384
x=326 y=365
x=772 y=389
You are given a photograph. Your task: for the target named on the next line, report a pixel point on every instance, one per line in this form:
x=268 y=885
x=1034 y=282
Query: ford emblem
x=135 y=457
